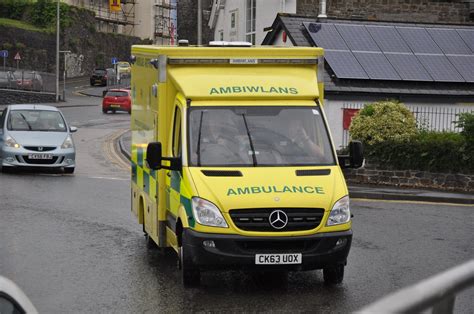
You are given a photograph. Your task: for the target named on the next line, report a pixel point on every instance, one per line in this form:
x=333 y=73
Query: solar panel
x=357 y=37
x=468 y=37
x=388 y=39
x=439 y=67
x=325 y=35
x=408 y=67
x=418 y=40
x=449 y=41
x=377 y=66
x=464 y=65
x=345 y=65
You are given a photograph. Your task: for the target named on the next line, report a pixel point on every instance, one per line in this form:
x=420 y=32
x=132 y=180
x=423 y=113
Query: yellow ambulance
x=232 y=161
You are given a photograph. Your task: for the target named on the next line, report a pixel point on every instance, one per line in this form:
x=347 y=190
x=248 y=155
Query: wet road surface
x=71 y=243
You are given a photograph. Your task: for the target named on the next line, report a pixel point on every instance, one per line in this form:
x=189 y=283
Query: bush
x=466 y=123
x=428 y=150
x=13 y=9
x=383 y=121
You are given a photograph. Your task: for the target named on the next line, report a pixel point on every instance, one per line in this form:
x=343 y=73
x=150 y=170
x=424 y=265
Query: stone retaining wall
x=8 y=97
x=374 y=174
x=422 y=11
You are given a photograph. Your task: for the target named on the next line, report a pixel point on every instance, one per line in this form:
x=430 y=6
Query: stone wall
x=24 y=97
x=421 y=11
x=89 y=47
x=374 y=174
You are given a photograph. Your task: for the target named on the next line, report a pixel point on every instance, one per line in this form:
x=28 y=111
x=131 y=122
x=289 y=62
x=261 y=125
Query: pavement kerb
x=409 y=197
x=124 y=151
x=376 y=195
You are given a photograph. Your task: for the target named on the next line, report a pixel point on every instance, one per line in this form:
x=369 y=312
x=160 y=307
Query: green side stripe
x=189 y=211
x=146 y=182
x=176 y=181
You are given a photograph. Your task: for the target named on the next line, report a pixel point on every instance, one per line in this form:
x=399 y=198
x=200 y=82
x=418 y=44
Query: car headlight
x=207 y=214
x=10 y=142
x=68 y=142
x=340 y=212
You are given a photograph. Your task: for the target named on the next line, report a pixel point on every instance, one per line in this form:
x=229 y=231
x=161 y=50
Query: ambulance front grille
x=258 y=219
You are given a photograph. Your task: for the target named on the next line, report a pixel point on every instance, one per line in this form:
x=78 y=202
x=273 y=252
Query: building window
x=233 y=19
x=221 y=35
x=250 y=21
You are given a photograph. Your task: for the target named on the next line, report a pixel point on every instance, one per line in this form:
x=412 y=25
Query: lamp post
x=66 y=52
x=57 y=51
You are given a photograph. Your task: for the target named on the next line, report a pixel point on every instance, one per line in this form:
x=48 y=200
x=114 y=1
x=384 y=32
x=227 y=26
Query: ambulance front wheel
x=190 y=274
x=333 y=275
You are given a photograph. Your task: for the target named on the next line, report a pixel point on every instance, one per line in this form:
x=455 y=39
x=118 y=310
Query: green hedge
x=40 y=13
x=428 y=151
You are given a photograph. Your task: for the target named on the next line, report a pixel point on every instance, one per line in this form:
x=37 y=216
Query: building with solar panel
x=429 y=67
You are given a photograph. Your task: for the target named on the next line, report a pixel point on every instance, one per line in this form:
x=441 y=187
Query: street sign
x=114 y=60
x=17 y=56
x=4 y=53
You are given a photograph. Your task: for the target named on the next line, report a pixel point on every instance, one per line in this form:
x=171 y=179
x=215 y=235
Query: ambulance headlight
x=340 y=212
x=207 y=214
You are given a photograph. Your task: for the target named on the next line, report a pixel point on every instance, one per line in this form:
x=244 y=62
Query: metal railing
x=427 y=117
x=437 y=293
x=20 y=79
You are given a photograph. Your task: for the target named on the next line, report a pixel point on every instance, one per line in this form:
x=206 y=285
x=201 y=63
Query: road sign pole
x=4 y=60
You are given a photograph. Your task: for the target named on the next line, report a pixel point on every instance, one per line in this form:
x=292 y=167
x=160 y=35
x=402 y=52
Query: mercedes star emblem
x=278 y=219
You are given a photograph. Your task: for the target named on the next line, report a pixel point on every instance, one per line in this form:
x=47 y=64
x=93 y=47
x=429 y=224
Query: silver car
x=36 y=136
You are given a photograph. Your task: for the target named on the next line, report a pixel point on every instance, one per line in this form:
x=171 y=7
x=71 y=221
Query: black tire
x=104 y=110
x=190 y=274
x=69 y=170
x=150 y=244
x=333 y=275
x=7 y=169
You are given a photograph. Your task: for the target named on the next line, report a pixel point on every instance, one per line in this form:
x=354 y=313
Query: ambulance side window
x=177 y=133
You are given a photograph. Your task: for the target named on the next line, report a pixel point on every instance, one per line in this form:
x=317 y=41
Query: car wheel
x=104 y=110
x=190 y=274
x=130 y=112
x=333 y=275
x=69 y=170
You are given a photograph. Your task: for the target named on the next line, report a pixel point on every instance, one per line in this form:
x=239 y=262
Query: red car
x=117 y=100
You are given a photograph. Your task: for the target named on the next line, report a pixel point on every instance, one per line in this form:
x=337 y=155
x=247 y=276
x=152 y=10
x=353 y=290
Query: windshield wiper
x=23 y=117
x=199 y=141
x=254 y=158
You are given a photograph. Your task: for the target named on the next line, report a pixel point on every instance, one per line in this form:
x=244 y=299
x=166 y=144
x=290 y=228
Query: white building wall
x=280 y=40
x=144 y=19
x=266 y=11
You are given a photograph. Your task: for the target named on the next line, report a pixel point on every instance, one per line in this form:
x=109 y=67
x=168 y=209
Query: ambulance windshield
x=258 y=136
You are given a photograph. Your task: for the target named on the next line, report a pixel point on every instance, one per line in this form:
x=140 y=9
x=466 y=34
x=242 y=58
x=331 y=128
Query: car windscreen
x=258 y=136
x=116 y=94
x=36 y=120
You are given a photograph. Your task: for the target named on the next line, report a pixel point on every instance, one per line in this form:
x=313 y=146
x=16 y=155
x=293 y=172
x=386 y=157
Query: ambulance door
x=175 y=177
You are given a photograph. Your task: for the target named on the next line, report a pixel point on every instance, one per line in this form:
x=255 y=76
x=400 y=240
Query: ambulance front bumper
x=212 y=251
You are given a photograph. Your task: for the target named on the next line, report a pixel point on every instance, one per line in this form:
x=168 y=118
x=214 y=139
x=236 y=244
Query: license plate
x=115 y=106
x=278 y=259
x=40 y=156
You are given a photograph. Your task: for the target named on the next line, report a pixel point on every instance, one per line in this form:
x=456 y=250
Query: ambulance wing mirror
x=154 y=158
x=355 y=158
